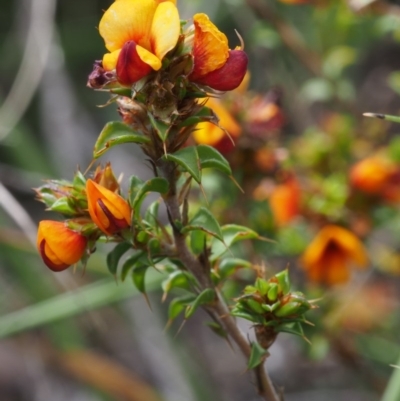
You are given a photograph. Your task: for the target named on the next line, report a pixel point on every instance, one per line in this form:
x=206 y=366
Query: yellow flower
x=59 y=246
x=109 y=211
x=327 y=259
x=138 y=34
x=210 y=134
x=215 y=65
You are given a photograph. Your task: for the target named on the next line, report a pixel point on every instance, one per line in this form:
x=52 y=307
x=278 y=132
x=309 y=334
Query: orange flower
x=326 y=260
x=109 y=211
x=377 y=175
x=138 y=34
x=215 y=65
x=285 y=202
x=210 y=134
x=59 y=246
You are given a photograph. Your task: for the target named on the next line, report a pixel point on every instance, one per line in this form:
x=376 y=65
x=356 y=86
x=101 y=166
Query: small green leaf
x=205 y=221
x=79 y=180
x=178 y=279
x=62 y=205
x=205 y=114
x=217 y=329
x=131 y=262
x=231 y=233
x=178 y=305
x=273 y=292
x=228 y=266
x=160 y=127
x=283 y=280
x=210 y=157
x=116 y=133
x=138 y=277
x=151 y=215
x=205 y=297
x=157 y=184
x=135 y=184
x=197 y=241
x=188 y=159
x=257 y=356
x=262 y=286
x=115 y=255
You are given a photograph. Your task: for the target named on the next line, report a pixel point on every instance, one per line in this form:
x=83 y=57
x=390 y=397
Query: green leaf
x=157 y=184
x=62 y=205
x=283 y=280
x=160 y=127
x=204 y=114
x=115 y=255
x=205 y=297
x=257 y=356
x=151 y=215
x=188 y=159
x=138 y=277
x=205 y=221
x=210 y=157
x=231 y=233
x=135 y=184
x=228 y=266
x=178 y=305
x=197 y=241
x=217 y=329
x=131 y=262
x=116 y=133
x=178 y=279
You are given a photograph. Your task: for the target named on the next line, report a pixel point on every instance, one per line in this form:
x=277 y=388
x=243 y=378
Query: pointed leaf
x=205 y=297
x=257 y=356
x=205 y=114
x=228 y=266
x=115 y=255
x=210 y=157
x=138 y=277
x=178 y=305
x=188 y=159
x=160 y=127
x=116 y=133
x=217 y=329
x=231 y=233
x=205 y=221
x=131 y=262
x=157 y=184
x=178 y=279
x=135 y=184
x=197 y=241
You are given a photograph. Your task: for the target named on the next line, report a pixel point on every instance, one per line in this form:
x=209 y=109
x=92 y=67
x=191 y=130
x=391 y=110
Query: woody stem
x=219 y=309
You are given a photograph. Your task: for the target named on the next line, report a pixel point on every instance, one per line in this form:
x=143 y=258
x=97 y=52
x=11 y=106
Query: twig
x=290 y=37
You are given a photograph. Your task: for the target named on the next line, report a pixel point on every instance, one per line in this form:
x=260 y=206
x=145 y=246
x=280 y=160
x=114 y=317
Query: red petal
x=130 y=67
x=51 y=265
x=230 y=75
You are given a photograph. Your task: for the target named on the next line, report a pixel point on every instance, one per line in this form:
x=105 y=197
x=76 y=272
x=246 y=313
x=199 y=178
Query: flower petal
x=110 y=60
x=127 y=20
x=210 y=48
x=130 y=66
x=165 y=29
x=229 y=76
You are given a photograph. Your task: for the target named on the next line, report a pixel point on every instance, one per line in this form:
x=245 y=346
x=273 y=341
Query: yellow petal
x=165 y=29
x=149 y=58
x=127 y=20
x=210 y=49
x=110 y=60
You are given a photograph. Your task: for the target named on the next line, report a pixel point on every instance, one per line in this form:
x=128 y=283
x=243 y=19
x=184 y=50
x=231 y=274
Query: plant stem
x=219 y=309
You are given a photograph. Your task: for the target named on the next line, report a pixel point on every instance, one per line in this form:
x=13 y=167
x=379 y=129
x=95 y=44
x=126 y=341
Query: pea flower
x=285 y=201
x=210 y=134
x=138 y=34
x=109 y=211
x=327 y=259
x=59 y=246
x=215 y=65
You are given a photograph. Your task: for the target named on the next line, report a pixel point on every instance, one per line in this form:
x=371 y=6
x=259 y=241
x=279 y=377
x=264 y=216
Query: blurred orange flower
x=327 y=259
x=109 y=211
x=285 y=201
x=138 y=34
x=59 y=246
x=210 y=134
x=215 y=65
x=377 y=175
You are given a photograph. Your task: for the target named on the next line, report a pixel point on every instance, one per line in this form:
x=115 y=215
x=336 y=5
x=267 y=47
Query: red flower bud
x=59 y=246
x=230 y=75
x=109 y=211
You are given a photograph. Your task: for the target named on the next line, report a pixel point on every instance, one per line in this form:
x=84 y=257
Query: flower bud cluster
x=92 y=207
x=273 y=308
